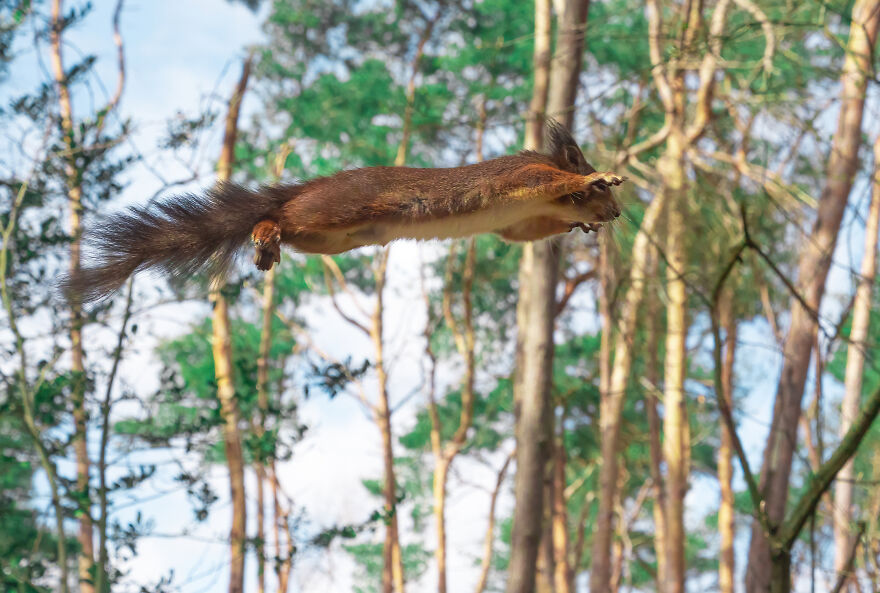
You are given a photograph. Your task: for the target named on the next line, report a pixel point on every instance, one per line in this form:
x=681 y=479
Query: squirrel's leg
x=267 y=243
x=534 y=229
x=544 y=182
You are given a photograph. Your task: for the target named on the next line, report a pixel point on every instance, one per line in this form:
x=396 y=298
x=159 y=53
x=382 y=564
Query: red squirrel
x=521 y=197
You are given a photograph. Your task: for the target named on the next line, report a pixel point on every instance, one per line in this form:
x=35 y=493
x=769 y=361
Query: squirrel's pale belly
x=452 y=227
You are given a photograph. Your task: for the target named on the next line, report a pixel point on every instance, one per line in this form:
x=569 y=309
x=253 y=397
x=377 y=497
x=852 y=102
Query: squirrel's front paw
x=602 y=181
x=267 y=244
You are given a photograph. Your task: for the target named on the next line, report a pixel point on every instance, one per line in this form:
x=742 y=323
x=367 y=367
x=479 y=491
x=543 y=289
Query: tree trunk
x=814 y=263
x=441 y=473
x=676 y=431
x=656 y=448
x=726 y=563
x=545 y=567
x=263 y=405
x=223 y=368
x=232 y=440
x=73 y=183
x=530 y=415
x=561 y=568
x=392 y=571
x=464 y=343
x=855 y=366
x=263 y=396
x=539 y=271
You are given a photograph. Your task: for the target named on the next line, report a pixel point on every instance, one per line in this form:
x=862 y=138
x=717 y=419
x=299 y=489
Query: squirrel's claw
x=585 y=227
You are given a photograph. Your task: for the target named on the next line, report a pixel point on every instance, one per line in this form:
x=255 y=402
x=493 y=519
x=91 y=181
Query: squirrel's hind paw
x=267 y=244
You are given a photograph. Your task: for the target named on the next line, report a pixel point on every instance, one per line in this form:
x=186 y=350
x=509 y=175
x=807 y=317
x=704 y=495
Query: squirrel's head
x=598 y=204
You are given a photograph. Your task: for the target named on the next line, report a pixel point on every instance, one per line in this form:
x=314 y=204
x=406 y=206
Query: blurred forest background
x=683 y=401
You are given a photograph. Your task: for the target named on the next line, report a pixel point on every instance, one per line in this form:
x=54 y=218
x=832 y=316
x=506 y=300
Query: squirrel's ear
x=572 y=156
x=573 y=160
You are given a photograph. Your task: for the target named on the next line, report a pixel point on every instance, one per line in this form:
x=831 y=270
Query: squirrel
x=522 y=197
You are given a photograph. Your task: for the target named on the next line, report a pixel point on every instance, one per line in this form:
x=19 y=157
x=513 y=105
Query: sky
x=181 y=55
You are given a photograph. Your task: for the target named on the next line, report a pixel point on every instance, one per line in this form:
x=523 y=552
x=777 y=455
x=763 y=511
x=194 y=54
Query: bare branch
x=707 y=72
x=821 y=480
x=767 y=28
x=660 y=78
x=489 y=540
x=571 y=285
x=120 y=67
x=329 y=283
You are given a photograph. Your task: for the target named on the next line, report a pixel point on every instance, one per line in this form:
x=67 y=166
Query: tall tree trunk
x=263 y=405
x=561 y=568
x=73 y=181
x=392 y=572
x=223 y=367
x=676 y=432
x=656 y=448
x=530 y=414
x=814 y=263
x=726 y=563
x=855 y=367
x=444 y=455
x=263 y=394
x=539 y=272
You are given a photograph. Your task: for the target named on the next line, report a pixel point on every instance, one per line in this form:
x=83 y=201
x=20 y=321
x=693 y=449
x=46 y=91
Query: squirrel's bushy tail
x=181 y=236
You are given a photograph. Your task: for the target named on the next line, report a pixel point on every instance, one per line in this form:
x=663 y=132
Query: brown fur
x=522 y=197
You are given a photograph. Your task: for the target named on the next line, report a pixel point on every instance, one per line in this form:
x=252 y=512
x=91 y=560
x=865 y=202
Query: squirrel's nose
x=615 y=211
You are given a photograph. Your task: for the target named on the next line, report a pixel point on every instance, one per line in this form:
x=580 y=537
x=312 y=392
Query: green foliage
x=27 y=548
x=490 y=412
x=368 y=557
x=186 y=405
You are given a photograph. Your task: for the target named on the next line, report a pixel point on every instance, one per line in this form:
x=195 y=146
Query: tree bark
x=539 y=272
x=656 y=448
x=223 y=367
x=263 y=405
x=676 y=431
x=855 y=366
x=530 y=414
x=726 y=563
x=444 y=455
x=392 y=572
x=813 y=266
x=561 y=569
x=268 y=310
x=73 y=182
